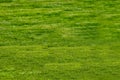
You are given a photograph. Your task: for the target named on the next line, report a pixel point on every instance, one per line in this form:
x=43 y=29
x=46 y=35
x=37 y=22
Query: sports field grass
x=59 y=39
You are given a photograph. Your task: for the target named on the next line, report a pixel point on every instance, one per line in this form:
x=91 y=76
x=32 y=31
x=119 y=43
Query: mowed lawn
x=59 y=39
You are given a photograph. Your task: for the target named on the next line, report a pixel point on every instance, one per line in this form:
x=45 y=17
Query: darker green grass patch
x=5 y=1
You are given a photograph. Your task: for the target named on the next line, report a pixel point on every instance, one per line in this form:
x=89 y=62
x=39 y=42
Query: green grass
x=59 y=40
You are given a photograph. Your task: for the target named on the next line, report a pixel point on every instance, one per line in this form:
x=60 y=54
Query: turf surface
x=59 y=40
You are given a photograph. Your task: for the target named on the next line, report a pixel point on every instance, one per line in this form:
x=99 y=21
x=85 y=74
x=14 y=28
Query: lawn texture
x=59 y=39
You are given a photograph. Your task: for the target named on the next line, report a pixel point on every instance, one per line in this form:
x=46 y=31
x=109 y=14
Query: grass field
x=59 y=39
